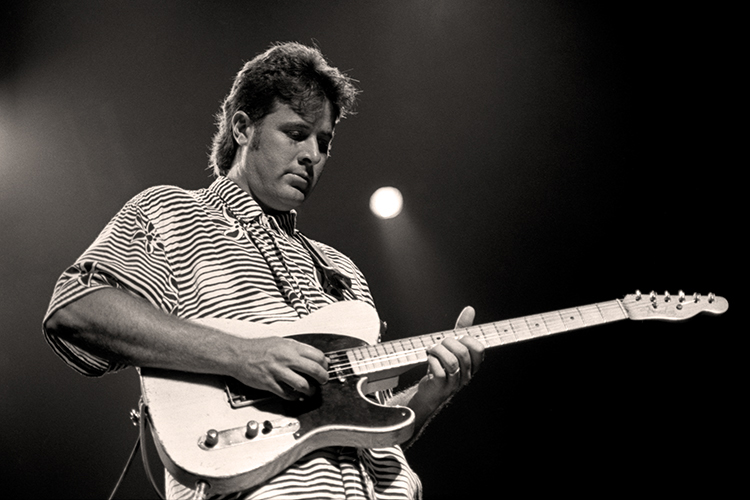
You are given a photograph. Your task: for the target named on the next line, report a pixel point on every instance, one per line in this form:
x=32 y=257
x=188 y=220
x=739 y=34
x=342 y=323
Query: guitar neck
x=404 y=353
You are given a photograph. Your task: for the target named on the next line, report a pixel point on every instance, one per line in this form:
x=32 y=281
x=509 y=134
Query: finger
x=476 y=352
x=311 y=353
x=291 y=387
x=466 y=318
x=312 y=369
x=296 y=386
x=449 y=362
x=462 y=354
x=437 y=371
x=280 y=389
x=308 y=360
x=434 y=368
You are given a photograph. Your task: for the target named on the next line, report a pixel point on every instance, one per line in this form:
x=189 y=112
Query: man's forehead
x=309 y=110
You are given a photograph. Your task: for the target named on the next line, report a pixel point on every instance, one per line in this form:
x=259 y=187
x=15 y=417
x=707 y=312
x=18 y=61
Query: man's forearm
x=119 y=327
x=423 y=411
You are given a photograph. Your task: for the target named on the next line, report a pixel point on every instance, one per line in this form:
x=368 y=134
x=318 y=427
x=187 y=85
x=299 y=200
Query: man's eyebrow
x=296 y=122
x=304 y=124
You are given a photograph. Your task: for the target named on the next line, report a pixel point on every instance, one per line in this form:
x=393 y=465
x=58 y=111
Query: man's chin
x=294 y=200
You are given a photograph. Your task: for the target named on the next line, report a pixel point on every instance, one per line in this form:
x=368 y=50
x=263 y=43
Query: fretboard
x=412 y=351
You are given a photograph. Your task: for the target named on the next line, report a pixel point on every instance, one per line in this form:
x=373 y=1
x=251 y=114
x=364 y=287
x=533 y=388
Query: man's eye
x=296 y=135
x=323 y=146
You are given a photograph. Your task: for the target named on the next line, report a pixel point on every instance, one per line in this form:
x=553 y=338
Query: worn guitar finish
x=215 y=430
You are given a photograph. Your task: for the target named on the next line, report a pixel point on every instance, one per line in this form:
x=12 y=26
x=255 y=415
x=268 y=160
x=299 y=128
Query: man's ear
x=242 y=128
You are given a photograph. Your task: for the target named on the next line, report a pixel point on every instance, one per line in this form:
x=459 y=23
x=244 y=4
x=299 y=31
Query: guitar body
x=184 y=407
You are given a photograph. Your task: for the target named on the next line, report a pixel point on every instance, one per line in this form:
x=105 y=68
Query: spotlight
x=386 y=202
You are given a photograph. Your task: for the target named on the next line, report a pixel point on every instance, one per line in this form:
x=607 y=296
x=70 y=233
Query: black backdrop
x=551 y=154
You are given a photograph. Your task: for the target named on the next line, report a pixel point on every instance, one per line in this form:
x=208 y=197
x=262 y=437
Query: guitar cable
x=143 y=422
x=127 y=466
x=139 y=418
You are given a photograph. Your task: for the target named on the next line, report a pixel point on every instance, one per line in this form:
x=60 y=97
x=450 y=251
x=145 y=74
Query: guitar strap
x=334 y=281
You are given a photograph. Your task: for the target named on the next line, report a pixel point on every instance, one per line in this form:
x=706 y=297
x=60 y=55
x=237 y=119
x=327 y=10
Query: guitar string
x=552 y=322
x=405 y=356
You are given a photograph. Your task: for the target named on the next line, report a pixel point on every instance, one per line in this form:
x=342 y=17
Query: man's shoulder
x=165 y=195
x=161 y=191
x=167 y=203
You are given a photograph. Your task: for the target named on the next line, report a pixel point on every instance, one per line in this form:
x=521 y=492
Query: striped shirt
x=213 y=253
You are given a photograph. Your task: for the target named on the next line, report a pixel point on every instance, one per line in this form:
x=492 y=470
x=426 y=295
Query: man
x=233 y=251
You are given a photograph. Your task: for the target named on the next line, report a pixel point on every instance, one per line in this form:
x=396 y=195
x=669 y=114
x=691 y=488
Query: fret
x=355 y=357
x=612 y=311
x=486 y=336
x=591 y=315
x=373 y=362
x=381 y=355
x=520 y=330
x=572 y=319
x=504 y=333
x=553 y=323
x=478 y=333
x=431 y=340
x=365 y=356
x=392 y=356
x=411 y=350
x=536 y=325
x=423 y=342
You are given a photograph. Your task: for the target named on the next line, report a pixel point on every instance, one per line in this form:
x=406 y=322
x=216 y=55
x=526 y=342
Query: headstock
x=672 y=307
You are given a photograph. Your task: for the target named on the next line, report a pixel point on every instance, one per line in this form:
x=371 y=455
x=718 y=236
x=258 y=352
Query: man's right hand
x=285 y=367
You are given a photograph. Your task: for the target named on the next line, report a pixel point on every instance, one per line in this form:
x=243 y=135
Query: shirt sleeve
x=128 y=254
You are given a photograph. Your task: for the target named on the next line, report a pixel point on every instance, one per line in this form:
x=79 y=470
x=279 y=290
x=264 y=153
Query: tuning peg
x=652 y=296
x=696 y=297
x=667 y=297
x=680 y=299
x=711 y=298
x=637 y=295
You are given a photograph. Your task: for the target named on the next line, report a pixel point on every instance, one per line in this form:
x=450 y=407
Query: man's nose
x=310 y=152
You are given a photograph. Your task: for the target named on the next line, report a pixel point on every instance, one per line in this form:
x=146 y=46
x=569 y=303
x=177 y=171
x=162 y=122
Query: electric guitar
x=215 y=430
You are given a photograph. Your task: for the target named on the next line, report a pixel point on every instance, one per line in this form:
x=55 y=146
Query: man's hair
x=289 y=73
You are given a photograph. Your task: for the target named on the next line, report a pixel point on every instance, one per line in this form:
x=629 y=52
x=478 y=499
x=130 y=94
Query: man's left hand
x=451 y=365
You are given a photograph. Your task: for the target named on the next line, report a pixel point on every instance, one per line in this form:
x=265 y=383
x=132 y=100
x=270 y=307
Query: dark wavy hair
x=290 y=73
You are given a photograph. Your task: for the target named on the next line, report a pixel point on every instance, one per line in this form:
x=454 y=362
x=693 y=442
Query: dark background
x=551 y=154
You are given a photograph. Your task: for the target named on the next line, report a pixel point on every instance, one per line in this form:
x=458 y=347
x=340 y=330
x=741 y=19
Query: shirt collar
x=247 y=210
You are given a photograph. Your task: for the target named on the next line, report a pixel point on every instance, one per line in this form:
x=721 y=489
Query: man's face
x=282 y=158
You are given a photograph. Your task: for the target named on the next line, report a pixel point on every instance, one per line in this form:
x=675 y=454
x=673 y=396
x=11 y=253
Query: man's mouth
x=300 y=182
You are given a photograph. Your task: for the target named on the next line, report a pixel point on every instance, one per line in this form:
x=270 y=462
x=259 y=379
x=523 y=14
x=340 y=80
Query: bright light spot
x=386 y=202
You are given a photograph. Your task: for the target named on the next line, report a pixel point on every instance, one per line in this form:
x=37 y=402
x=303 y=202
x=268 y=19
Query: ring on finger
x=454 y=372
